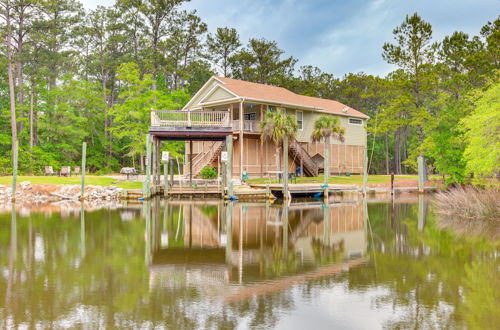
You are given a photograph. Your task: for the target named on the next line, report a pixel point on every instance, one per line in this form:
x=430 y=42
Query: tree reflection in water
x=186 y=264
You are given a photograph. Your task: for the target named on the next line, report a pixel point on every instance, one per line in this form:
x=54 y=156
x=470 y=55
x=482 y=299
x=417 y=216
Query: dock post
x=421 y=169
x=229 y=165
x=165 y=179
x=365 y=171
x=285 y=168
x=172 y=173
x=222 y=179
x=146 y=184
x=191 y=163
x=158 y=163
x=14 y=170
x=84 y=156
x=268 y=192
x=392 y=183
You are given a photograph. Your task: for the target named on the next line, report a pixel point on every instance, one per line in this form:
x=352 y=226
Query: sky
x=338 y=36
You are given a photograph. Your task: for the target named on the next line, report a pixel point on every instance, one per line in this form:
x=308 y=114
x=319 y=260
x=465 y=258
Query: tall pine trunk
x=10 y=73
x=32 y=102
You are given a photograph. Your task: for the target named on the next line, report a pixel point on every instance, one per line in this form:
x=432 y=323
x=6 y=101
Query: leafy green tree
x=414 y=53
x=482 y=133
x=135 y=102
x=221 y=46
x=261 y=62
x=326 y=128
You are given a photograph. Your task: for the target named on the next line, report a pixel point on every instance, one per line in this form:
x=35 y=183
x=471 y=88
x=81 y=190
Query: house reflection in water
x=198 y=243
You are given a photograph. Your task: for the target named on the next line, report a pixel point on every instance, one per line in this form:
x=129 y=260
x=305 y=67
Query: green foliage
x=326 y=127
x=222 y=47
x=95 y=76
x=208 y=172
x=132 y=111
x=277 y=125
x=482 y=133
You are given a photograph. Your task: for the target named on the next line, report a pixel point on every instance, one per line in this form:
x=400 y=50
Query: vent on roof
x=344 y=109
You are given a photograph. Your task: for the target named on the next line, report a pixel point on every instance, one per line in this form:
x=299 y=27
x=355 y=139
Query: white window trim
x=297 y=118
x=349 y=121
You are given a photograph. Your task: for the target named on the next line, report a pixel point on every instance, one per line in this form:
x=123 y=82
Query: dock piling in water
x=84 y=158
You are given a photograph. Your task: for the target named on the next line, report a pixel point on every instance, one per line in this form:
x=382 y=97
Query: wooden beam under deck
x=190 y=133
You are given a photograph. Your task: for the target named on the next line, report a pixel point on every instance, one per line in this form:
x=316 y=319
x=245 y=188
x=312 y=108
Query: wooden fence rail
x=176 y=118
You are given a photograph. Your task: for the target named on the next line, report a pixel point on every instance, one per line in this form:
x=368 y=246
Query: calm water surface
x=202 y=264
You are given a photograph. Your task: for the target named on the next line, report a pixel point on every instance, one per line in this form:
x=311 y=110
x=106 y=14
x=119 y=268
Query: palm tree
x=327 y=127
x=279 y=127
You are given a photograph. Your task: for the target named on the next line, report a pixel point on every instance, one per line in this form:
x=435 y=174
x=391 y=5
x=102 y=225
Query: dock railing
x=187 y=118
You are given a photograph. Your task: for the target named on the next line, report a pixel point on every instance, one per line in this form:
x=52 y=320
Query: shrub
x=208 y=172
x=469 y=203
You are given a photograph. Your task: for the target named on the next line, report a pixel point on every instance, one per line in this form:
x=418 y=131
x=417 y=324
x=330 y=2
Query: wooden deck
x=308 y=190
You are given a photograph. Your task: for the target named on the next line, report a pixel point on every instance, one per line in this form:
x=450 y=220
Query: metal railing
x=176 y=118
x=248 y=125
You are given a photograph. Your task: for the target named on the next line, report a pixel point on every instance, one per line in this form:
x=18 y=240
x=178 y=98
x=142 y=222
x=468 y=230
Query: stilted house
x=240 y=106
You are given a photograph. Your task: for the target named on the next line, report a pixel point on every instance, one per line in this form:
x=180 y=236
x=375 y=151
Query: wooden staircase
x=205 y=158
x=297 y=152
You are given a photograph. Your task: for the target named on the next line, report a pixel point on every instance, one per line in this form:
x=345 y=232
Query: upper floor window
x=355 y=121
x=300 y=119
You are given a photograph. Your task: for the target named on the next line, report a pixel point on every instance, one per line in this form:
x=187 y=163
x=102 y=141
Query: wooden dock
x=306 y=190
x=259 y=192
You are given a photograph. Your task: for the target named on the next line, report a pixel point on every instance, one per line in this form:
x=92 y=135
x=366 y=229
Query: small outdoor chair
x=49 y=170
x=128 y=171
x=65 y=171
x=77 y=170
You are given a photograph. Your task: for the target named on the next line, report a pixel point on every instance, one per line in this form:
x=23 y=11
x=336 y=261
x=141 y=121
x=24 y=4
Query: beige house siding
x=354 y=134
x=202 y=93
x=217 y=95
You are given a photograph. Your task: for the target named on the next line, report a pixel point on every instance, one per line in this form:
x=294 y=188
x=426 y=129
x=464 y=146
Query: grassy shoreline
x=353 y=179
x=72 y=180
x=399 y=180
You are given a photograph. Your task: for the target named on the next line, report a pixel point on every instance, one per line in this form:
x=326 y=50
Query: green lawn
x=353 y=179
x=89 y=179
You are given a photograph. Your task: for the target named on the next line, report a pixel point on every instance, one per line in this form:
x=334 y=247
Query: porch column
x=261 y=155
x=241 y=138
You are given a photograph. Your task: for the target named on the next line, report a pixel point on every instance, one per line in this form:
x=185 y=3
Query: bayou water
x=345 y=264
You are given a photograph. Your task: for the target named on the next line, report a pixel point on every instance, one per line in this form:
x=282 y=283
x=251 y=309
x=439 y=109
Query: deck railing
x=176 y=118
x=248 y=125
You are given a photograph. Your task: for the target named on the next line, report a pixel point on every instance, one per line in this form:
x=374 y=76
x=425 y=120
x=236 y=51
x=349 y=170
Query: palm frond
x=327 y=126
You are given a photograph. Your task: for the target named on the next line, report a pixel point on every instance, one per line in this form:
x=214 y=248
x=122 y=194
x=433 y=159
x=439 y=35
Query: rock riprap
x=51 y=193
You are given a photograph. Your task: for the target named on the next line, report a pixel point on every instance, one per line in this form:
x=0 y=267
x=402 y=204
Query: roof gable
x=217 y=93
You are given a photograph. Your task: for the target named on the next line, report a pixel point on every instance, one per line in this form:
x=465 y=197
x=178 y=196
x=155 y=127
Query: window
x=250 y=116
x=355 y=121
x=300 y=119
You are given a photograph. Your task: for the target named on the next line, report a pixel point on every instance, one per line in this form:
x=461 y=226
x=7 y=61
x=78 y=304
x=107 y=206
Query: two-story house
x=247 y=103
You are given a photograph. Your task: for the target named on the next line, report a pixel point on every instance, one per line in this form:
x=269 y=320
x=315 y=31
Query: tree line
x=70 y=75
